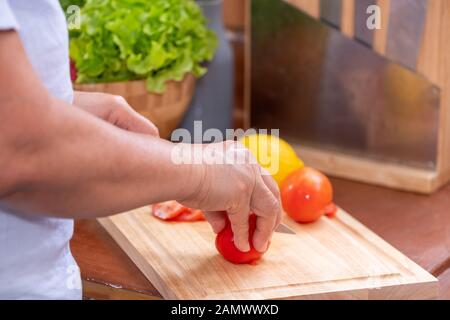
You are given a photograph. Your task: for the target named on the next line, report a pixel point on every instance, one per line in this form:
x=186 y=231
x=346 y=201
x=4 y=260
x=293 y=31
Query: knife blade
x=282 y=228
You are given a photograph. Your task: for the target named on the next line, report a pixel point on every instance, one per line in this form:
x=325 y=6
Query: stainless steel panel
x=321 y=88
x=406 y=25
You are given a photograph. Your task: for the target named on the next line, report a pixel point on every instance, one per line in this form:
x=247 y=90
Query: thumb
x=216 y=219
x=139 y=124
x=129 y=119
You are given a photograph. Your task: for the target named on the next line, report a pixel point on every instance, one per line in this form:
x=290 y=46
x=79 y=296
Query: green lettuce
x=156 y=40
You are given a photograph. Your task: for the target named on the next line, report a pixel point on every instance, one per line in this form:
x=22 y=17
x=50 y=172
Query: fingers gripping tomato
x=306 y=195
x=225 y=245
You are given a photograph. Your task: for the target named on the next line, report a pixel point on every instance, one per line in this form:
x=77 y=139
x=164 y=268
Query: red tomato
x=225 y=245
x=330 y=210
x=191 y=215
x=173 y=211
x=306 y=195
x=73 y=71
x=168 y=210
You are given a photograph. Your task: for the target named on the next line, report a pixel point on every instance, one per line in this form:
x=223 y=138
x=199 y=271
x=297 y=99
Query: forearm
x=79 y=166
x=60 y=160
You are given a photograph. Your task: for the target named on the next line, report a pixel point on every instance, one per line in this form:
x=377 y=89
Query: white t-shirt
x=35 y=258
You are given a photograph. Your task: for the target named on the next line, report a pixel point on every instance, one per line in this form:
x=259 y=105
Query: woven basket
x=164 y=110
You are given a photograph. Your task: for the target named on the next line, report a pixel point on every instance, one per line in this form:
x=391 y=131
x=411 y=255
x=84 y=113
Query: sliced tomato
x=191 y=215
x=173 y=211
x=168 y=210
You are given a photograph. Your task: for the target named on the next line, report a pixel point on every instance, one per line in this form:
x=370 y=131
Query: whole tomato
x=306 y=195
x=225 y=245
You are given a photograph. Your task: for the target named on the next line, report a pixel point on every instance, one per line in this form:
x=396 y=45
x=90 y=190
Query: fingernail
x=221 y=226
x=217 y=228
x=263 y=248
x=243 y=247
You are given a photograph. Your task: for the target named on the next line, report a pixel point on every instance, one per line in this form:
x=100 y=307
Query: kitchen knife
x=282 y=228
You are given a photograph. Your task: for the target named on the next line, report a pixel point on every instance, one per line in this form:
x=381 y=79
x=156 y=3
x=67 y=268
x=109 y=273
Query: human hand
x=115 y=110
x=237 y=188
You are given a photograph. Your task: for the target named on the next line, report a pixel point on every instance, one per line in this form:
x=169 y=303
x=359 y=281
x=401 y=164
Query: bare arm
x=60 y=160
x=65 y=162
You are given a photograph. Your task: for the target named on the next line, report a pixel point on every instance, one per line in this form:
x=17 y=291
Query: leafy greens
x=156 y=40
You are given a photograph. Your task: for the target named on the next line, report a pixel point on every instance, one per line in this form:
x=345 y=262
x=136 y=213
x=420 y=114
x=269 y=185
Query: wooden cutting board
x=335 y=258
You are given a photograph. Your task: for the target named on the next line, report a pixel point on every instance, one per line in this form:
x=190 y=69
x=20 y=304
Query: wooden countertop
x=417 y=225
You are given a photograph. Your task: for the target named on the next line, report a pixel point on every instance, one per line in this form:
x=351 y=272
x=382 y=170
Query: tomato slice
x=168 y=210
x=191 y=215
x=173 y=211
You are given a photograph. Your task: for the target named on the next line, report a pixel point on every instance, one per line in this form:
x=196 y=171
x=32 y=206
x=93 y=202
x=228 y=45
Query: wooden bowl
x=164 y=110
